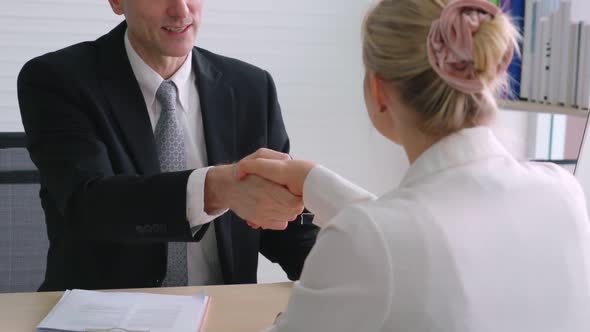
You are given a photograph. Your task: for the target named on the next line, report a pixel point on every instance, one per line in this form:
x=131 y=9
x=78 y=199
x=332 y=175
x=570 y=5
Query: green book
x=495 y=2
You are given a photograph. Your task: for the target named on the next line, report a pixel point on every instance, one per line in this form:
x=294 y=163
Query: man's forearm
x=217 y=183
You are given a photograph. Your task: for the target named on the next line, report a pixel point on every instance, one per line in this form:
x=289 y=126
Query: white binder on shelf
x=537 y=54
x=544 y=60
x=583 y=91
x=554 y=60
x=528 y=49
x=574 y=64
x=562 y=74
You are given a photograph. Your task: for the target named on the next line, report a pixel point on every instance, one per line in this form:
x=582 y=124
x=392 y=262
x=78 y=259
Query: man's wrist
x=218 y=182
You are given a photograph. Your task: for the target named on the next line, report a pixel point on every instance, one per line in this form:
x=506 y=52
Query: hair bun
x=452 y=50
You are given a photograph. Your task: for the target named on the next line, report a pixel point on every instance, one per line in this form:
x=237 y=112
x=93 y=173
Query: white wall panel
x=29 y=28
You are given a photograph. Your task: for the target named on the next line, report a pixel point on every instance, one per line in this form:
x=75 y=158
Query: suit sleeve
x=290 y=247
x=76 y=171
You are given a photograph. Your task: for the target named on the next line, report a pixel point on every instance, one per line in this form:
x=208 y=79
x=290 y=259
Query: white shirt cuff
x=195 y=199
x=325 y=193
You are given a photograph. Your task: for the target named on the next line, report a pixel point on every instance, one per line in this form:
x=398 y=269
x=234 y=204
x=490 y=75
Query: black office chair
x=23 y=236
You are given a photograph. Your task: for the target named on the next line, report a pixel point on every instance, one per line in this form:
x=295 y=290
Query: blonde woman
x=472 y=239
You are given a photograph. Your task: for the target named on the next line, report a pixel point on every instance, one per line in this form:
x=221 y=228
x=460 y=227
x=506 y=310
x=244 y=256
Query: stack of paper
x=80 y=310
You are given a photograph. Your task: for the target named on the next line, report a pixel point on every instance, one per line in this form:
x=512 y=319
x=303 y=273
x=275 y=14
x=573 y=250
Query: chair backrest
x=23 y=236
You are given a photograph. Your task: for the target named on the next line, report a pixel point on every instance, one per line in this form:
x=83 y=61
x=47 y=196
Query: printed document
x=81 y=310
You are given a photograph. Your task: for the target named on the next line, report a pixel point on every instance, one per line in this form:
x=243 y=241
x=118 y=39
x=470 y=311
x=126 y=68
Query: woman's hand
x=289 y=173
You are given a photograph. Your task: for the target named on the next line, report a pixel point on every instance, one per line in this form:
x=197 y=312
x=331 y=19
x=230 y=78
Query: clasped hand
x=268 y=193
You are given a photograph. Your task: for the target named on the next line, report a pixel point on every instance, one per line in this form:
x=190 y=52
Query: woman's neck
x=415 y=142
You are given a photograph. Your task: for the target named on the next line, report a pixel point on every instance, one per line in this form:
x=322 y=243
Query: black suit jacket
x=109 y=211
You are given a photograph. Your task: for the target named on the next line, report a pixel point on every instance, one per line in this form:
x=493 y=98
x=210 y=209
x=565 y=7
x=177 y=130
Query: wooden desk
x=233 y=308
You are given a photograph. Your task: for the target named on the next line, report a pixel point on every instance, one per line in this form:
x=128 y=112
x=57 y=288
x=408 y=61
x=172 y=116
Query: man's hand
x=261 y=202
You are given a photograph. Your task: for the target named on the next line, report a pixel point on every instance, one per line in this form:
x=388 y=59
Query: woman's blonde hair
x=395 y=34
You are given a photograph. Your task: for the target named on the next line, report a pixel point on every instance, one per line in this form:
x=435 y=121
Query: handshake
x=265 y=189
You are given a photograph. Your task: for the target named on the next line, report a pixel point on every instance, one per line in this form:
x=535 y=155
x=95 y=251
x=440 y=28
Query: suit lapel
x=218 y=110
x=217 y=107
x=127 y=103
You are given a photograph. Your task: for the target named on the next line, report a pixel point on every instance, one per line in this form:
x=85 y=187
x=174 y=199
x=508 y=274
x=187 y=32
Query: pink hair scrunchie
x=450 y=43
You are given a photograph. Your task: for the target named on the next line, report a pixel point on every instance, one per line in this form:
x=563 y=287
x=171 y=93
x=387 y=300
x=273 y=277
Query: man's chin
x=179 y=52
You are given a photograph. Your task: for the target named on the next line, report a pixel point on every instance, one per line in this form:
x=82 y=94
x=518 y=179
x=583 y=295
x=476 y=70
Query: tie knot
x=166 y=95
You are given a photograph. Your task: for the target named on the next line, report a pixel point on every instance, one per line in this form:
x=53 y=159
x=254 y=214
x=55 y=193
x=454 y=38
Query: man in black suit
x=121 y=130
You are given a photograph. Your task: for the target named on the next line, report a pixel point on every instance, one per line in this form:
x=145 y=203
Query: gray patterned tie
x=170 y=149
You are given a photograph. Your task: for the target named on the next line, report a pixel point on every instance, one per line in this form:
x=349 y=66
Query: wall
x=512 y=129
x=32 y=27
x=312 y=49
x=580 y=10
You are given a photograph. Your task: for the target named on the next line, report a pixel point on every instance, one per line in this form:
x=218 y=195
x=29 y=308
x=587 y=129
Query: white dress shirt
x=202 y=258
x=472 y=240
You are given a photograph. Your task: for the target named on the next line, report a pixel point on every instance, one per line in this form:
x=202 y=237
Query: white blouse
x=472 y=240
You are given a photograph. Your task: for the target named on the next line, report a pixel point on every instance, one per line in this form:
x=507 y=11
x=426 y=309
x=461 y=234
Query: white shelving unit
x=525 y=106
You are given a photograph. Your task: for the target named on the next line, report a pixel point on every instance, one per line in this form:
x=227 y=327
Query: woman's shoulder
x=553 y=175
x=378 y=219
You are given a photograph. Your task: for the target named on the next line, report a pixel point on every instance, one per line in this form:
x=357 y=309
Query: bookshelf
x=534 y=107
